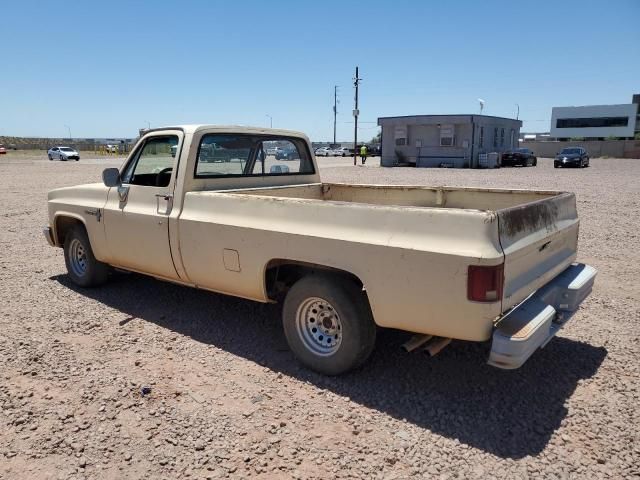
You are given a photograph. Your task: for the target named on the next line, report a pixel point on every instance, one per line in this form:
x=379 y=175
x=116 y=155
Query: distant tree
x=377 y=138
x=611 y=137
x=637 y=137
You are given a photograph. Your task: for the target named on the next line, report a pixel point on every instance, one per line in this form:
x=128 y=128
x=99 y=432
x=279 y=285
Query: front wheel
x=328 y=323
x=82 y=266
x=50 y=157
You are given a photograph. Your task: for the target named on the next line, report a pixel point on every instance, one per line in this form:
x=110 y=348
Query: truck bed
x=407 y=196
x=527 y=220
x=410 y=246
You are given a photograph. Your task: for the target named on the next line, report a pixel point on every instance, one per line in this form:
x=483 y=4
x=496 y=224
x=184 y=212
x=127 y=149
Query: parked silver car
x=63 y=153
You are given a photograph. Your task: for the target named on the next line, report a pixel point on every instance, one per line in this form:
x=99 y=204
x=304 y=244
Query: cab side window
x=153 y=164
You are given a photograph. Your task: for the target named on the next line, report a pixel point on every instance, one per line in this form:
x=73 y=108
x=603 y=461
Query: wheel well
x=281 y=274
x=63 y=225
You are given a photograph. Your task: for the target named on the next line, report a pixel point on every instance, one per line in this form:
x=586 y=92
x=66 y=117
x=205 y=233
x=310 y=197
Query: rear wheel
x=82 y=266
x=328 y=323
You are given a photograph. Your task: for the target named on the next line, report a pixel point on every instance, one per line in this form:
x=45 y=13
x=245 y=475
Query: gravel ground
x=226 y=398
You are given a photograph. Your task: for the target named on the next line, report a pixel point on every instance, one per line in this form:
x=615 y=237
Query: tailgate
x=539 y=240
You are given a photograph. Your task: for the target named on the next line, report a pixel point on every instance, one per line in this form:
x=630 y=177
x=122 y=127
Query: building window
x=481 y=141
x=502 y=137
x=400 y=135
x=446 y=136
x=495 y=137
x=592 y=122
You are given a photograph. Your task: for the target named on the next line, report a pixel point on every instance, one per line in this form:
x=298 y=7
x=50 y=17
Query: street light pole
x=69 y=128
x=335 y=112
x=356 y=82
x=518 y=114
x=270 y=120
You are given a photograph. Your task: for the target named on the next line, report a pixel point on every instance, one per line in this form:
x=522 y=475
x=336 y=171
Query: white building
x=595 y=121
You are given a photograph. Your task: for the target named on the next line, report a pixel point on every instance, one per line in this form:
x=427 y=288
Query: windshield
x=569 y=151
x=66 y=149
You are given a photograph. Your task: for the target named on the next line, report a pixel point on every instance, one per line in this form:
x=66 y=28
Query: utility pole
x=518 y=114
x=270 y=120
x=356 y=82
x=335 y=111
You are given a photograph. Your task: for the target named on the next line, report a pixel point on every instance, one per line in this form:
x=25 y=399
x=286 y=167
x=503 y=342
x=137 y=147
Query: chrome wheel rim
x=77 y=257
x=319 y=326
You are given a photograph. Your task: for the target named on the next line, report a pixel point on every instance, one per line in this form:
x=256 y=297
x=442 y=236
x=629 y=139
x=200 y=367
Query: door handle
x=164 y=196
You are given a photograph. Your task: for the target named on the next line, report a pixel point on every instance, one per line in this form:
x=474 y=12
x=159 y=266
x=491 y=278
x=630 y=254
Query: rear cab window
x=247 y=155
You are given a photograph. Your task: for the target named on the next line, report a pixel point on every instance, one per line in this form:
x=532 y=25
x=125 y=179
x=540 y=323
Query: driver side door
x=136 y=216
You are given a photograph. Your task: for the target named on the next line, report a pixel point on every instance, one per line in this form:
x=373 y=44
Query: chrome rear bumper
x=533 y=323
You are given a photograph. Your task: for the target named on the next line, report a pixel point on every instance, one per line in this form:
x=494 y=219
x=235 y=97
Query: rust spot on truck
x=528 y=218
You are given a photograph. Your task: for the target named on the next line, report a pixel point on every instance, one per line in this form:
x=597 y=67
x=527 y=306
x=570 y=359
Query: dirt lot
x=227 y=398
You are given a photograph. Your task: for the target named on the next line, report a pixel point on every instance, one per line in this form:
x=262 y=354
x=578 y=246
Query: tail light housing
x=484 y=284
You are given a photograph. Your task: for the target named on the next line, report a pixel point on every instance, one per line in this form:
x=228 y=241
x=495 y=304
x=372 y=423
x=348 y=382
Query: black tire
x=50 y=157
x=535 y=162
x=93 y=273
x=357 y=330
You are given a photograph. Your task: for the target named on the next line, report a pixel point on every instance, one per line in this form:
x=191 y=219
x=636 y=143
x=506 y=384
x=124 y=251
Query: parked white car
x=112 y=148
x=323 y=152
x=341 y=152
x=63 y=153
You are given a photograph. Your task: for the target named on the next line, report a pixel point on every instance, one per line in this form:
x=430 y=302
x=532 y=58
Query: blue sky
x=107 y=68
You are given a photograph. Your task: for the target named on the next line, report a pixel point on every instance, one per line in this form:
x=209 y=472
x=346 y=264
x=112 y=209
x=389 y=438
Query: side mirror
x=111 y=177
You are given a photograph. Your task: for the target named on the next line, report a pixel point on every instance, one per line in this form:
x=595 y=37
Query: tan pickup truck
x=208 y=207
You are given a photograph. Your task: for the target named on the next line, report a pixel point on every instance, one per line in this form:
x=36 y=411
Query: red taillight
x=484 y=284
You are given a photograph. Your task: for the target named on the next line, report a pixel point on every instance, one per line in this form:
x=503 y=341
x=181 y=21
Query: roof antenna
x=481 y=102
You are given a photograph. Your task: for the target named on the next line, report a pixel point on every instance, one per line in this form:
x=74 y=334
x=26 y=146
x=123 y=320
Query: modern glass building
x=595 y=121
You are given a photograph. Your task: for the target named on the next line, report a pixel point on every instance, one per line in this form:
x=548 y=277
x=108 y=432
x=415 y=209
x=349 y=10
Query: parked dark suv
x=572 y=157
